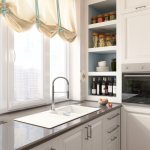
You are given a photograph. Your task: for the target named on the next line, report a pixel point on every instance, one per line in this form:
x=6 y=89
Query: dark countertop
x=22 y=136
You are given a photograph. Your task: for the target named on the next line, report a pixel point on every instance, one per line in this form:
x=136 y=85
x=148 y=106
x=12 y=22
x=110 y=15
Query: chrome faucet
x=53 y=91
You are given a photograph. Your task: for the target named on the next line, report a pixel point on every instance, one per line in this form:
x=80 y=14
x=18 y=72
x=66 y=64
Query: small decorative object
x=102 y=66
x=113 y=64
x=95 y=39
x=112 y=15
x=100 y=18
x=94 y=20
x=103 y=101
x=101 y=40
x=110 y=104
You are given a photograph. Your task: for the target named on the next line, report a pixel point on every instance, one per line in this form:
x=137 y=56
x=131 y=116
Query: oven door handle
x=144 y=75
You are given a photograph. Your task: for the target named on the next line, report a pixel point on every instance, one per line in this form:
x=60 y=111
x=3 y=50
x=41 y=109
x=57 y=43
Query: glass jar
x=106 y=17
x=112 y=15
x=94 y=20
x=114 y=39
x=109 y=40
x=95 y=39
x=100 y=18
x=101 y=40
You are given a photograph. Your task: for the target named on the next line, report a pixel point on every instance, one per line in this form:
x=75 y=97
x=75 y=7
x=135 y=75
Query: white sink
x=61 y=115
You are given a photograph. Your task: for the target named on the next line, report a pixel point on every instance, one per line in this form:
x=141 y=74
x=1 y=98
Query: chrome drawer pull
x=114 y=138
x=87 y=134
x=113 y=116
x=113 y=129
x=140 y=7
x=90 y=136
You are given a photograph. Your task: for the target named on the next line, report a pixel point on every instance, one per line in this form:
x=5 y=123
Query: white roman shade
x=51 y=16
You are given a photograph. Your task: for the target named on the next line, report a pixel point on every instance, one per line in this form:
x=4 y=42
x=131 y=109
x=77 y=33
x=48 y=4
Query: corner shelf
x=103 y=50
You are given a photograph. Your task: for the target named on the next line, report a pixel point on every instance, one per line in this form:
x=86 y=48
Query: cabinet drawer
x=112 y=117
x=113 y=143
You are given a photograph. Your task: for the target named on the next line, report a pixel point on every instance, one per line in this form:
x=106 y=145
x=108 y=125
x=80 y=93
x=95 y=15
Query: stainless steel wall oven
x=136 y=83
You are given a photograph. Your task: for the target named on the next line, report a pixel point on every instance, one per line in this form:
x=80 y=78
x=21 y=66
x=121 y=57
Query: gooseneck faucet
x=53 y=91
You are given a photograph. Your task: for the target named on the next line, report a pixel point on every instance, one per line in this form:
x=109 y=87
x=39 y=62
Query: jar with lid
x=94 y=20
x=112 y=15
x=114 y=39
x=106 y=17
x=95 y=39
x=100 y=18
x=101 y=40
x=108 y=40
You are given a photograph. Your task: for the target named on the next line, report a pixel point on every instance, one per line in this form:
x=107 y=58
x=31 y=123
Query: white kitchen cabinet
x=134 y=5
x=72 y=140
x=135 y=31
x=135 y=128
x=93 y=139
x=50 y=145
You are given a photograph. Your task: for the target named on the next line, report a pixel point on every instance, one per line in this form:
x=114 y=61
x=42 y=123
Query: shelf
x=102 y=73
x=103 y=50
x=108 y=25
x=97 y=97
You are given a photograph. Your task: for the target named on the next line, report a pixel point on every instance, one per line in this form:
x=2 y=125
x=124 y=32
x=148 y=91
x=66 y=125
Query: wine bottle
x=93 y=88
x=110 y=86
x=103 y=86
x=114 y=86
x=98 y=86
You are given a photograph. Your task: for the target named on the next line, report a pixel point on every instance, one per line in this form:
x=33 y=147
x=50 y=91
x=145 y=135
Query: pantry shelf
x=102 y=73
x=108 y=25
x=103 y=50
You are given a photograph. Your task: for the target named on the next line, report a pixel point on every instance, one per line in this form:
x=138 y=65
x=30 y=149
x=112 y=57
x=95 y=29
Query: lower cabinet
x=93 y=135
x=102 y=133
x=50 y=145
x=135 y=128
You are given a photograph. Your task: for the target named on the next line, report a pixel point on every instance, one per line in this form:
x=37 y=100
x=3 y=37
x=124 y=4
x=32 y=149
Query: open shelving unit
x=107 y=53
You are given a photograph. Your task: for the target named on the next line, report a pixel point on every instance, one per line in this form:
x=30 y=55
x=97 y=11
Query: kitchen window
x=33 y=61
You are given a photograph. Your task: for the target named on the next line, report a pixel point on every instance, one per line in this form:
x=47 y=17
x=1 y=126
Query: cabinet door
x=50 y=145
x=72 y=140
x=96 y=137
x=134 y=5
x=138 y=131
x=136 y=45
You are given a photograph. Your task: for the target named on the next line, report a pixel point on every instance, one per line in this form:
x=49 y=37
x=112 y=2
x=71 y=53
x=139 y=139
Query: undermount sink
x=61 y=115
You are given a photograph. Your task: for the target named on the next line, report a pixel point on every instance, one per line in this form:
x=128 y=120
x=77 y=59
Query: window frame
x=10 y=72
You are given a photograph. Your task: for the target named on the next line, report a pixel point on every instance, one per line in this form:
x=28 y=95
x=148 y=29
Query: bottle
x=114 y=86
x=110 y=86
x=104 y=86
x=93 y=88
x=99 y=86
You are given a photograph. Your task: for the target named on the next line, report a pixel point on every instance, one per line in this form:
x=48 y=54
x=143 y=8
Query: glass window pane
x=28 y=65
x=59 y=64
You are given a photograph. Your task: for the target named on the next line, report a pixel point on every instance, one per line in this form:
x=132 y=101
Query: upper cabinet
x=134 y=5
x=136 y=31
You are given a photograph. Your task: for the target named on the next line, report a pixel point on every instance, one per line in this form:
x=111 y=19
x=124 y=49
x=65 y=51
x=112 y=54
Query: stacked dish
x=102 y=66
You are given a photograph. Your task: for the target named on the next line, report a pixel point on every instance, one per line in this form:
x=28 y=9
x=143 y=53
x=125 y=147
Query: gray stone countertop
x=21 y=136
